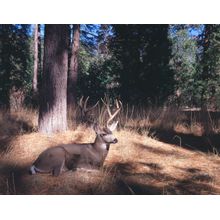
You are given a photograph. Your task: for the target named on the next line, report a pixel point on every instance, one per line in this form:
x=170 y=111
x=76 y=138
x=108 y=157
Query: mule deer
x=72 y=156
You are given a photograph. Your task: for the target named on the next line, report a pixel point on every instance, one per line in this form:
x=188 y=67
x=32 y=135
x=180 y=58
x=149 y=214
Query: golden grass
x=137 y=164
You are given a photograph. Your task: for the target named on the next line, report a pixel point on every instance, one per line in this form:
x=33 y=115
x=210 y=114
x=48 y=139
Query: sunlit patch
x=136 y=164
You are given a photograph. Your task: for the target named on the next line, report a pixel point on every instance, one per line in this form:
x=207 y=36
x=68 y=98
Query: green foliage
x=196 y=63
x=96 y=75
x=210 y=64
x=16 y=61
x=138 y=63
x=184 y=64
x=143 y=52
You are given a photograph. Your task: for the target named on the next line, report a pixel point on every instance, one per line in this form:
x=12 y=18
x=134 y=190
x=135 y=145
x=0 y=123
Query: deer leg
x=58 y=169
x=71 y=161
x=32 y=170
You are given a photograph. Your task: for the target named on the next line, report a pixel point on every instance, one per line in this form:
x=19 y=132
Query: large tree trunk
x=73 y=68
x=34 y=82
x=53 y=100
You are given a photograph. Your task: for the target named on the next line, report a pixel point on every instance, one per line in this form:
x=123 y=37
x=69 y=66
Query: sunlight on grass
x=155 y=154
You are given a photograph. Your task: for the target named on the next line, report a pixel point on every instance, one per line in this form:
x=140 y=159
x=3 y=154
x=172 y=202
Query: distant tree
x=98 y=68
x=103 y=39
x=40 y=52
x=184 y=63
x=35 y=75
x=144 y=52
x=16 y=64
x=99 y=78
x=73 y=67
x=53 y=91
x=210 y=65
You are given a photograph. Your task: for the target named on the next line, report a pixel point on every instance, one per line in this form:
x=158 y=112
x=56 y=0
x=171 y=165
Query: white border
x=109 y=207
x=110 y=11
x=115 y=12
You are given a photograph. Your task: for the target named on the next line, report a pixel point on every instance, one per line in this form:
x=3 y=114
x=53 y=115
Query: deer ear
x=113 y=126
x=96 y=128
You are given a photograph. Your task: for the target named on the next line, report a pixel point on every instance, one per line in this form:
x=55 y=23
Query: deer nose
x=115 y=141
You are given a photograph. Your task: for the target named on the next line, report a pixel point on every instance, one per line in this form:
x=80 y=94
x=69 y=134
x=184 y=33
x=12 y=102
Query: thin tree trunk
x=73 y=68
x=205 y=77
x=34 y=82
x=53 y=100
x=39 y=52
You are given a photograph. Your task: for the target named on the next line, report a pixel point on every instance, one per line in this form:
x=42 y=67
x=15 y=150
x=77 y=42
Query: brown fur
x=72 y=156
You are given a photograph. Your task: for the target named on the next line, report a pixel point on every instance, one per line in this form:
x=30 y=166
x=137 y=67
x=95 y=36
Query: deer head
x=104 y=136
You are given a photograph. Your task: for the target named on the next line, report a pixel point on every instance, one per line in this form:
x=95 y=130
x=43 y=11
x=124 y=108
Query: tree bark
x=34 y=83
x=73 y=68
x=40 y=61
x=53 y=92
x=208 y=29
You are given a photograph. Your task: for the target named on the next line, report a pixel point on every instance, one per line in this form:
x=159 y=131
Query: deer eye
x=103 y=134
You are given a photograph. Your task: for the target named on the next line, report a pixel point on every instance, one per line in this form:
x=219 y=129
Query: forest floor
x=152 y=161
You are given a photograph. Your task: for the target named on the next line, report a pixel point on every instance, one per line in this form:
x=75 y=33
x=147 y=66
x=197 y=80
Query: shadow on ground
x=117 y=180
x=11 y=127
x=157 y=182
x=121 y=178
x=205 y=143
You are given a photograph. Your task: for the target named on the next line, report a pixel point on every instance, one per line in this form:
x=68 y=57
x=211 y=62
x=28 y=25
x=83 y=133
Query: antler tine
x=108 y=109
x=81 y=102
x=103 y=102
x=112 y=116
x=85 y=104
x=93 y=106
x=117 y=103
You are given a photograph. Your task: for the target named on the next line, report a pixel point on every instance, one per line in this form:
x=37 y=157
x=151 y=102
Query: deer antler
x=84 y=110
x=83 y=106
x=112 y=116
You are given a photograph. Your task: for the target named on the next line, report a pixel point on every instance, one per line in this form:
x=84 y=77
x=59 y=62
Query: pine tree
x=16 y=64
x=53 y=102
x=210 y=64
x=184 y=63
x=144 y=53
x=35 y=75
x=73 y=67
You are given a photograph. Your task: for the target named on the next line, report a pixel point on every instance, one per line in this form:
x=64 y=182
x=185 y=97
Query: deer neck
x=99 y=145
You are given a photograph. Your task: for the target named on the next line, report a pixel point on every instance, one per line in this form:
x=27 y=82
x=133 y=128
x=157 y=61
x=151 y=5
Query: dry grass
x=179 y=159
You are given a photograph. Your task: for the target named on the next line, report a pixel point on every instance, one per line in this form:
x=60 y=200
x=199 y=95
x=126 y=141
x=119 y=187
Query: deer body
x=71 y=156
